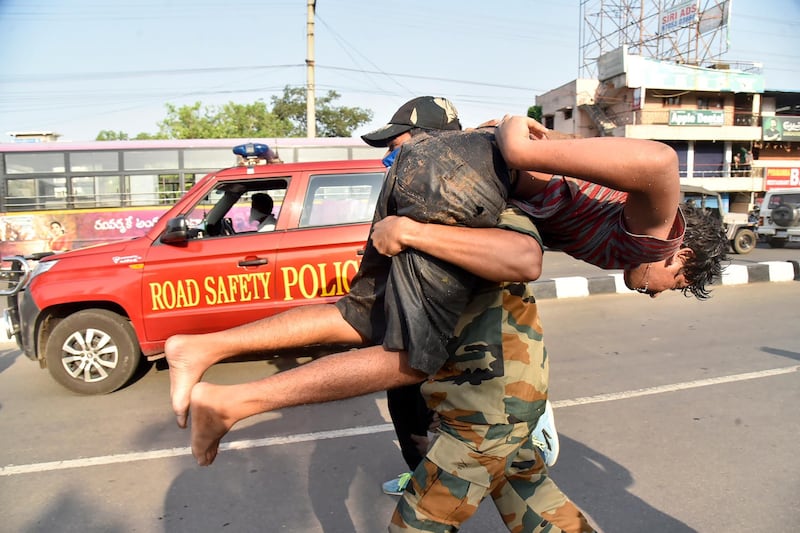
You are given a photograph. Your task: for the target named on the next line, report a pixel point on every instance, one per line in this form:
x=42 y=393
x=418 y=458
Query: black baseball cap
x=426 y=112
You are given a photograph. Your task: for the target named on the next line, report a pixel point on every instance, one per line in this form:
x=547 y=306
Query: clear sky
x=80 y=66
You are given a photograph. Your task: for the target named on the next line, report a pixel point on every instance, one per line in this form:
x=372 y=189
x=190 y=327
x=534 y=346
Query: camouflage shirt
x=497 y=367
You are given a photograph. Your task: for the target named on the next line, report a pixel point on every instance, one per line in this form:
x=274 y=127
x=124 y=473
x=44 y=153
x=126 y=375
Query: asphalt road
x=674 y=416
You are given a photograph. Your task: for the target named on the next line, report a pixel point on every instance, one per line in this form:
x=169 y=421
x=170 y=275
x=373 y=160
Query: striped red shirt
x=585 y=220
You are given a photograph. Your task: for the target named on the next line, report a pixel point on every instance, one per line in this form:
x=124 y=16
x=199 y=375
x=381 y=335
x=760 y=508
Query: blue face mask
x=390 y=157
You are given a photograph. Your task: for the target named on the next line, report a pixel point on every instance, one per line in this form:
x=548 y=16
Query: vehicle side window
x=230 y=208
x=790 y=199
x=334 y=199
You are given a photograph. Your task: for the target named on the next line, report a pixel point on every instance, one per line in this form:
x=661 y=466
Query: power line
x=342 y=42
x=94 y=76
x=434 y=78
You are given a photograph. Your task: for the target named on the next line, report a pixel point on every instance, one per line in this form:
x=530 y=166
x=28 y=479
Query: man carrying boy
x=360 y=372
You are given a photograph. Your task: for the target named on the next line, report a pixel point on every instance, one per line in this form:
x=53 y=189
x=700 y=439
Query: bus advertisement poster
x=59 y=231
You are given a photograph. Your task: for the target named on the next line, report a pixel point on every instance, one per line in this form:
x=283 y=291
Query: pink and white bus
x=58 y=196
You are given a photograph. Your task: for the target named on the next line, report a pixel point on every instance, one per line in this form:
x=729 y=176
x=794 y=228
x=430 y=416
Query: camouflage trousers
x=466 y=464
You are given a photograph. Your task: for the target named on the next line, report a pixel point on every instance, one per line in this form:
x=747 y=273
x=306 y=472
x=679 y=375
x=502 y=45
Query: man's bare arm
x=490 y=253
x=646 y=170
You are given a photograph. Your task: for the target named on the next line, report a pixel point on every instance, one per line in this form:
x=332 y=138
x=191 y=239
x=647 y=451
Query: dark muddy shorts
x=412 y=301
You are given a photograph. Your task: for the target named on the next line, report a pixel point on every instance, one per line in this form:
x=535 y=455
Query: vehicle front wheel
x=744 y=241
x=93 y=352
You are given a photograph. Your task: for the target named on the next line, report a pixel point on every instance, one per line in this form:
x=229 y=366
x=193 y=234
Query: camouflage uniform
x=489 y=395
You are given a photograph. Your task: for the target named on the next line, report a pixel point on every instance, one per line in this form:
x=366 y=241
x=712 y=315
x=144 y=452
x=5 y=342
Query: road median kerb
x=578 y=286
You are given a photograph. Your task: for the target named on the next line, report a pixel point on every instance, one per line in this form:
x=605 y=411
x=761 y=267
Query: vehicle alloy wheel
x=93 y=352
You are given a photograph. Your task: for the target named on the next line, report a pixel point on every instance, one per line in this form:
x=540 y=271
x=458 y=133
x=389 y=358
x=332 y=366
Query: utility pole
x=311 y=111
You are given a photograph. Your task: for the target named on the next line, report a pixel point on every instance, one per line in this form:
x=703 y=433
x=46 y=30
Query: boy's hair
x=706 y=237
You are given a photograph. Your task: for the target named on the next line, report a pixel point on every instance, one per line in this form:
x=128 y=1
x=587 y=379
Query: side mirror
x=177 y=231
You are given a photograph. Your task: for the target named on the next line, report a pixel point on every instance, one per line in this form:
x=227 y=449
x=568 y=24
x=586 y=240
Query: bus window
x=96 y=191
x=94 y=161
x=35 y=163
x=53 y=192
x=143 y=190
x=169 y=188
x=211 y=158
x=150 y=159
x=21 y=195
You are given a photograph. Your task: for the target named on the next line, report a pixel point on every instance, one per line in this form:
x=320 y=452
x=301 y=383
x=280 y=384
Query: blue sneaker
x=545 y=437
x=396 y=486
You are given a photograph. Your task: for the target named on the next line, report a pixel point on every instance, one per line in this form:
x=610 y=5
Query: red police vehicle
x=211 y=262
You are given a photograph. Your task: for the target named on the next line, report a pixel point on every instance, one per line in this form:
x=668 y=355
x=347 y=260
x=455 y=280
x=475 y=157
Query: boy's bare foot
x=185 y=370
x=209 y=421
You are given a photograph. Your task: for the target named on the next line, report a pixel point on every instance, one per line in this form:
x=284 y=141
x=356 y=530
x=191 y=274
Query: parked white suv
x=779 y=217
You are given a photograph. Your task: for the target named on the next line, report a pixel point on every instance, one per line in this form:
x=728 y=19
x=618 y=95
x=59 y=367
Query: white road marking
x=675 y=387
x=15 y=470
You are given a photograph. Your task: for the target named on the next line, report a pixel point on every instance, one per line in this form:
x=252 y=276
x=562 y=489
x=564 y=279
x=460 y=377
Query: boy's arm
x=646 y=170
x=494 y=254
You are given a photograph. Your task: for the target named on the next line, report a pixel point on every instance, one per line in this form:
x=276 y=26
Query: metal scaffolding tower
x=691 y=32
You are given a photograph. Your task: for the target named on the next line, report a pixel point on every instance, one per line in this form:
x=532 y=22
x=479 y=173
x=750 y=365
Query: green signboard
x=696 y=117
x=648 y=72
x=780 y=128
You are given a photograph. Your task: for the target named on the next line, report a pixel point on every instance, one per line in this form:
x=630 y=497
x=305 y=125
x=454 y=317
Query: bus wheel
x=93 y=352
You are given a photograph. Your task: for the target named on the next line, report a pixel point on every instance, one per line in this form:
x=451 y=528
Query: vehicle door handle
x=253 y=262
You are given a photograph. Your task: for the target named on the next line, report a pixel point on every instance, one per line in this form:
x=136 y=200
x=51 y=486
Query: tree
x=287 y=118
x=331 y=121
x=110 y=135
x=188 y=122
x=144 y=136
x=251 y=120
x=230 y=121
x=535 y=112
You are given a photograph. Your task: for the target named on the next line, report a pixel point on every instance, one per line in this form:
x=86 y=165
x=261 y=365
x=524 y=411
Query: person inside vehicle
x=261 y=205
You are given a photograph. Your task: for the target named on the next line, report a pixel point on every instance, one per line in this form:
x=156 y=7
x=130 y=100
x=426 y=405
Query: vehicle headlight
x=43 y=267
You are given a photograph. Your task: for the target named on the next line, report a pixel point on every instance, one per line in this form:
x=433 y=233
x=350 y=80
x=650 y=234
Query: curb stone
x=576 y=286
